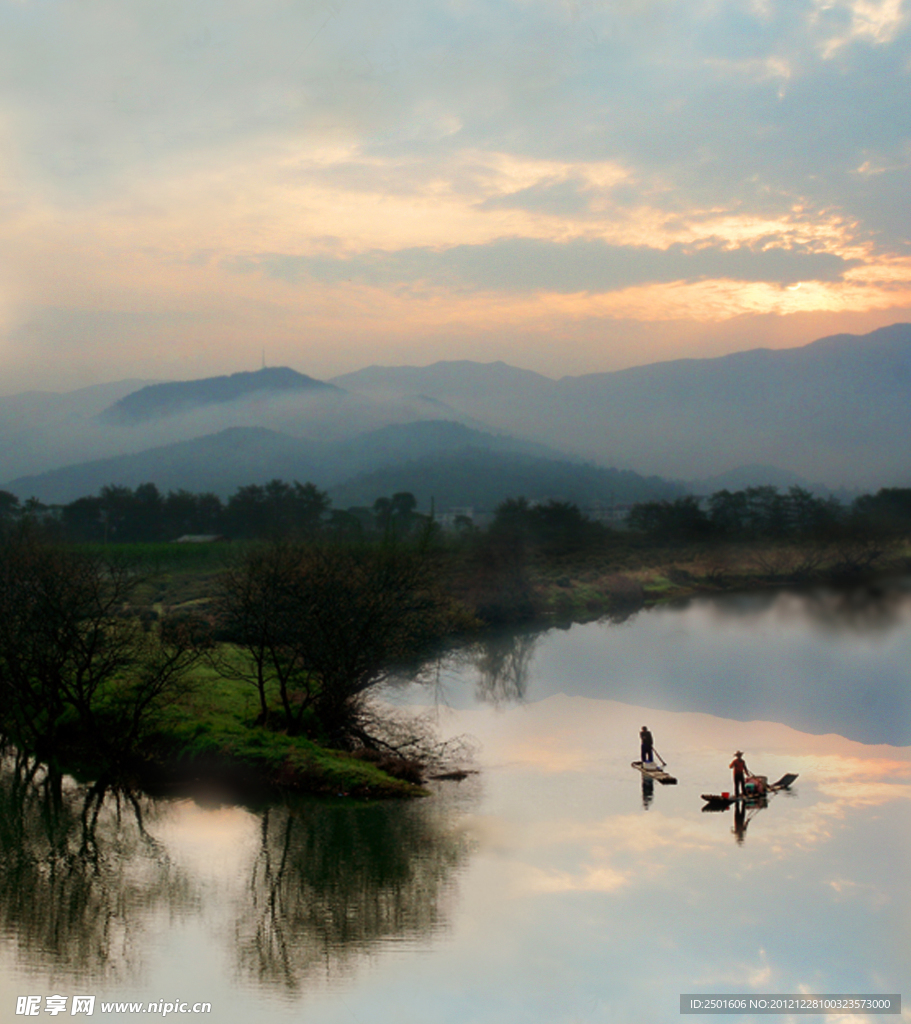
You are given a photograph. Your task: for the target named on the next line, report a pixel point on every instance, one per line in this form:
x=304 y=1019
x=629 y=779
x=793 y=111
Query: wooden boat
x=721 y=801
x=651 y=771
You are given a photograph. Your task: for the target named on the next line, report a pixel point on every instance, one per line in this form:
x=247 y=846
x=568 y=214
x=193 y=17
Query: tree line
x=314 y=618
x=299 y=511
x=767 y=514
x=254 y=512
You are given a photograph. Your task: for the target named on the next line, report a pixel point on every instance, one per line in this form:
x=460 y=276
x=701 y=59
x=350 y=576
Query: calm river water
x=552 y=887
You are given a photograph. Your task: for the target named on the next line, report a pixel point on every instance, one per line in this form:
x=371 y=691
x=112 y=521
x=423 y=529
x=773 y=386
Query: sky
x=567 y=186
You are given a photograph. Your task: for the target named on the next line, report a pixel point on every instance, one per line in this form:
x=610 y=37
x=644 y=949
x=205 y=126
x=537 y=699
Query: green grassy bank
x=211 y=733
x=208 y=738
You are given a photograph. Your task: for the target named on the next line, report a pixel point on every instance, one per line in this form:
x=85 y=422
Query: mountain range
x=439 y=461
x=836 y=412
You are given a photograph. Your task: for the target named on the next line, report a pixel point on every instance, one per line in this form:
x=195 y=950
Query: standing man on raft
x=645 y=744
x=740 y=769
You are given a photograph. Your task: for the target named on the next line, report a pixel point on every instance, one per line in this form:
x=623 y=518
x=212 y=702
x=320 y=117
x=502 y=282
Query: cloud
x=724 y=97
x=874 y=22
x=580 y=265
x=705 y=153
x=761 y=104
x=561 y=198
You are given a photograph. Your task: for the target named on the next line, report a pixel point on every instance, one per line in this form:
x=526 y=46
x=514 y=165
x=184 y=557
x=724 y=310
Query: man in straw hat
x=740 y=770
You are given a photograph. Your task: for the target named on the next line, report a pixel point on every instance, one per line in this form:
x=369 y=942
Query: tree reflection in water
x=503 y=663
x=79 y=873
x=332 y=880
x=83 y=883
x=875 y=607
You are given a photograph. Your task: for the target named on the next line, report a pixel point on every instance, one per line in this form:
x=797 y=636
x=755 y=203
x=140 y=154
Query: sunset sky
x=567 y=186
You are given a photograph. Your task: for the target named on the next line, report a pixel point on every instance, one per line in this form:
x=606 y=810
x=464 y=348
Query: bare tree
x=74 y=660
x=362 y=612
x=325 y=623
x=257 y=608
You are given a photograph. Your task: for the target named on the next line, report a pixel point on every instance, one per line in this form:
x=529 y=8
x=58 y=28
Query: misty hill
x=443 y=381
x=43 y=432
x=751 y=476
x=40 y=429
x=231 y=458
x=158 y=400
x=30 y=408
x=401 y=442
x=483 y=478
x=219 y=462
x=836 y=411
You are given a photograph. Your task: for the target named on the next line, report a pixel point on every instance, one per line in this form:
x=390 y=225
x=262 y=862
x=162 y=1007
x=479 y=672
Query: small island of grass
x=268 y=685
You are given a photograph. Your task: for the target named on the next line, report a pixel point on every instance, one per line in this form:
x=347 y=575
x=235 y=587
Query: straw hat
x=738 y=753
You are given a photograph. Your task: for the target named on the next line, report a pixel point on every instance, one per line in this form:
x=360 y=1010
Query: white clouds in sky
x=468 y=146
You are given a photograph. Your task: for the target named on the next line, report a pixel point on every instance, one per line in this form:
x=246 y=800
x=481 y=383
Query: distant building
x=610 y=515
x=456 y=516
x=201 y=538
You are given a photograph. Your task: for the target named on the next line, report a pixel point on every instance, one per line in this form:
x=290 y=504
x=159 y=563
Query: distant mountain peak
x=158 y=400
x=894 y=336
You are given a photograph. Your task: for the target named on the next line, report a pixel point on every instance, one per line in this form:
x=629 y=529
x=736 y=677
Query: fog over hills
x=835 y=412
x=159 y=400
x=238 y=456
x=483 y=477
x=217 y=462
x=40 y=433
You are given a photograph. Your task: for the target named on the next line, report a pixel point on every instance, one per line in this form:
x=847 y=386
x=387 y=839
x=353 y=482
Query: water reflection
x=84 y=880
x=80 y=875
x=503 y=663
x=565 y=856
x=822 y=661
x=330 y=881
x=648 y=792
x=864 y=609
x=744 y=811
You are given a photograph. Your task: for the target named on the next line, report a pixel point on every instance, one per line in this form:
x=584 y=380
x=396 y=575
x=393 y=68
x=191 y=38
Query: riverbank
x=209 y=740
x=581 y=590
x=213 y=734
x=631 y=571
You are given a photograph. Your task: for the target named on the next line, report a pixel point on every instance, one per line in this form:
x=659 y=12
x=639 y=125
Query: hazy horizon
x=140 y=382
x=834 y=414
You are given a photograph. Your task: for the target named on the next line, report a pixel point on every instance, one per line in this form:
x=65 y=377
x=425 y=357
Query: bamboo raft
x=651 y=771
